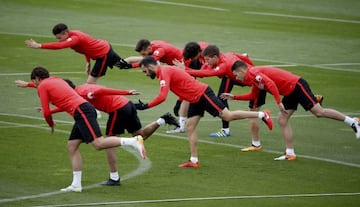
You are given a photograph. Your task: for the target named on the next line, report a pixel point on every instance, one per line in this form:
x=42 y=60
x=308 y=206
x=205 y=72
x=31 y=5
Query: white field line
x=144 y=165
x=302 y=17
x=215 y=143
x=51 y=73
x=185 y=5
x=324 y=66
x=206 y=199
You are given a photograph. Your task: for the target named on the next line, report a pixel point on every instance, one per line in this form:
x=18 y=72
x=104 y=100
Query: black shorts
x=260 y=100
x=302 y=94
x=101 y=64
x=124 y=118
x=227 y=85
x=86 y=126
x=208 y=102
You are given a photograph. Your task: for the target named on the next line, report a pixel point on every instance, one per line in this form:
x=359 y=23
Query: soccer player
x=96 y=49
x=215 y=63
x=295 y=90
x=167 y=53
x=200 y=96
x=85 y=129
x=122 y=115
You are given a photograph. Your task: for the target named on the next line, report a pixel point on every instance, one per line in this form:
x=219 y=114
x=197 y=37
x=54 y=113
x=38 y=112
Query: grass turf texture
x=34 y=162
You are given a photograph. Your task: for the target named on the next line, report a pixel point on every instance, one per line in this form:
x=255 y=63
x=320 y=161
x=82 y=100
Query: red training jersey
x=104 y=99
x=83 y=44
x=180 y=83
x=274 y=80
x=165 y=52
x=56 y=91
x=226 y=61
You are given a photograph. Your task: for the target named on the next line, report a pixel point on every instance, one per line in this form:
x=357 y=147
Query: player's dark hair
x=191 y=50
x=211 y=51
x=39 y=72
x=238 y=64
x=71 y=84
x=59 y=28
x=142 y=44
x=148 y=60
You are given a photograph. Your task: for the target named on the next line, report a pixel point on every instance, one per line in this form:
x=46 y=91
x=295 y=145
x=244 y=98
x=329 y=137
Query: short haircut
x=59 y=28
x=191 y=50
x=39 y=72
x=142 y=45
x=148 y=60
x=211 y=50
x=71 y=84
x=238 y=64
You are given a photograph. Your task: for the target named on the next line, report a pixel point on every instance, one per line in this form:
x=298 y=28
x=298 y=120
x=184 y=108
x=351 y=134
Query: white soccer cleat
x=71 y=188
x=176 y=130
x=286 y=157
x=140 y=146
x=356 y=127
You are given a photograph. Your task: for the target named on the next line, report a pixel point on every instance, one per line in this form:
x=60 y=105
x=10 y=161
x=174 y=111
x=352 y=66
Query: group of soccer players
x=176 y=69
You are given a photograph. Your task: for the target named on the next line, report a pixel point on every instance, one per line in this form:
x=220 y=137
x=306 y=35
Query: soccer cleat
x=111 y=182
x=176 y=130
x=319 y=99
x=267 y=119
x=286 y=157
x=140 y=146
x=220 y=133
x=252 y=148
x=190 y=164
x=356 y=127
x=170 y=119
x=71 y=188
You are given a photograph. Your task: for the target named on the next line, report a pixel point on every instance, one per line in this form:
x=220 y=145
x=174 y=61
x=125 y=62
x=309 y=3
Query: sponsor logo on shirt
x=258 y=78
x=162 y=83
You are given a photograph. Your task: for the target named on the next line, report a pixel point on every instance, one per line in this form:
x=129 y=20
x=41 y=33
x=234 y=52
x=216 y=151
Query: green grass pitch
x=319 y=40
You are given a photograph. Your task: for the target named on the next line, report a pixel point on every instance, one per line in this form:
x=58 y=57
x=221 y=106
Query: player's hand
x=282 y=108
x=227 y=96
x=53 y=128
x=122 y=64
x=31 y=43
x=21 y=83
x=178 y=63
x=141 y=105
x=87 y=68
x=134 y=92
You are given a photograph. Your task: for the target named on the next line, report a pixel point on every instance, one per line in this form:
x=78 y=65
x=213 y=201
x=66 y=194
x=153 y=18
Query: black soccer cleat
x=170 y=119
x=111 y=182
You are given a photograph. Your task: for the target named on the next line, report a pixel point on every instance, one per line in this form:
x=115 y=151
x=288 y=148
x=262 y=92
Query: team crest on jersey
x=156 y=52
x=69 y=39
x=258 y=78
x=217 y=68
x=162 y=83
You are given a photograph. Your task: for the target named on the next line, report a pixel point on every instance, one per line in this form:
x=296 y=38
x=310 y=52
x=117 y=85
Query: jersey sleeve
x=163 y=93
x=204 y=72
x=158 y=53
x=248 y=96
x=110 y=91
x=69 y=42
x=270 y=86
x=44 y=100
